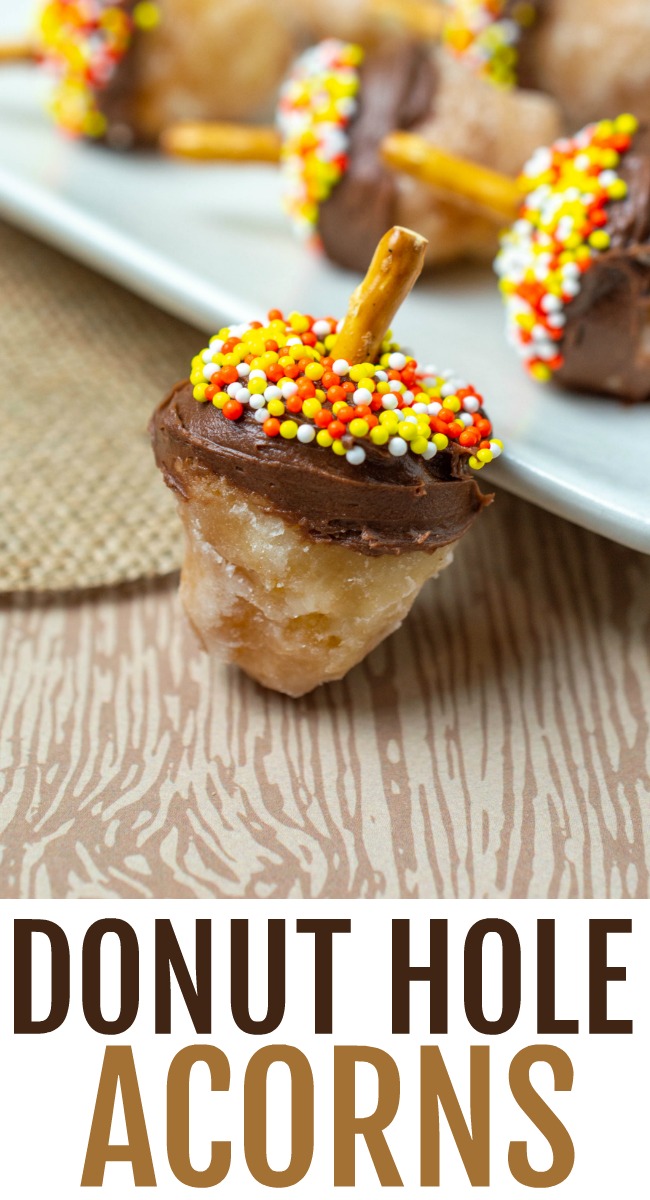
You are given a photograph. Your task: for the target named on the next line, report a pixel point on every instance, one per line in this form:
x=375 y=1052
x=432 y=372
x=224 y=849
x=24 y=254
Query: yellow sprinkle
x=618 y=190
x=311 y=407
x=288 y=429
x=419 y=445
x=408 y=431
x=626 y=123
x=475 y=464
x=440 y=440
x=315 y=371
x=368 y=384
x=541 y=372
x=146 y=15
x=276 y=408
x=452 y=403
x=600 y=240
x=199 y=392
x=379 y=435
x=220 y=399
x=390 y=420
x=359 y=428
x=339 y=448
x=257 y=387
x=485 y=456
x=323 y=438
x=298 y=322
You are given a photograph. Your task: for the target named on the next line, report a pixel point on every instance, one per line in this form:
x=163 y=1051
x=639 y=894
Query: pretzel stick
x=477 y=187
x=222 y=142
x=422 y=20
x=395 y=268
x=18 y=52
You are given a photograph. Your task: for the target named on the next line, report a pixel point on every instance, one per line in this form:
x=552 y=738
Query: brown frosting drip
x=606 y=347
x=385 y=506
x=398 y=85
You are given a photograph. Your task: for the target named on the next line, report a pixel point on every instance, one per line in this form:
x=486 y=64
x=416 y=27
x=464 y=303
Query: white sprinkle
x=243 y=370
x=420 y=408
x=289 y=389
x=306 y=434
x=466 y=418
x=232 y=389
x=471 y=404
x=411 y=420
x=207 y=356
x=257 y=402
x=398 y=447
x=216 y=345
x=381 y=376
x=407 y=397
x=389 y=401
x=322 y=329
x=243 y=395
x=571 y=287
x=356 y=456
x=257 y=375
x=430 y=451
x=551 y=303
x=341 y=367
x=434 y=409
x=294 y=341
x=397 y=362
x=209 y=370
x=362 y=396
x=396 y=386
x=496 y=450
x=262 y=415
x=272 y=393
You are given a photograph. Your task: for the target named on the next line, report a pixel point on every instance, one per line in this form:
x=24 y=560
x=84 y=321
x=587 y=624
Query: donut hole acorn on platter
x=323 y=476
x=125 y=69
x=590 y=55
x=340 y=107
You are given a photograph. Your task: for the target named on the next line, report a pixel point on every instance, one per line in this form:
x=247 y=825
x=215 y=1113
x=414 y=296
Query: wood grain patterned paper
x=497 y=746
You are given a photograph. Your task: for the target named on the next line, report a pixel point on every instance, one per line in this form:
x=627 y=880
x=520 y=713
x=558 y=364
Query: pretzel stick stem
x=18 y=52
x=222 y=142
x=395 y=268
x=471 y=185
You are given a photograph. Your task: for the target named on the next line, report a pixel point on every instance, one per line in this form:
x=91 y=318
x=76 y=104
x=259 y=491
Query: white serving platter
x=211 y=245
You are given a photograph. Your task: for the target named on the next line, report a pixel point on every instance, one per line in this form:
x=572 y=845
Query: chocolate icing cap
x=606 y=347
x=398 y=85
x=384 y=506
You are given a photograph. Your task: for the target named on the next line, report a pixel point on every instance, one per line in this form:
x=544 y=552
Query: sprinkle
x=420 y=412
x=564 y=224
x=341 y=367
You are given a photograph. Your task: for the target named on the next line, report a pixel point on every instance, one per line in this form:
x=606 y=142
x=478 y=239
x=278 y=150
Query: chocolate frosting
x=116 y=100
x=606 y=347
x=385 y=506
x=398 y=85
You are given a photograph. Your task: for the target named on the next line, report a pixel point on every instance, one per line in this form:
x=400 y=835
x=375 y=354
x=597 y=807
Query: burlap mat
x=82 y=364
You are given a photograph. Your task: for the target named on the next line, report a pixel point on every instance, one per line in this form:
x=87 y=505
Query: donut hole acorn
x=319 y=497
x=574 y=265
x=125 y=69
x=340 y=114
